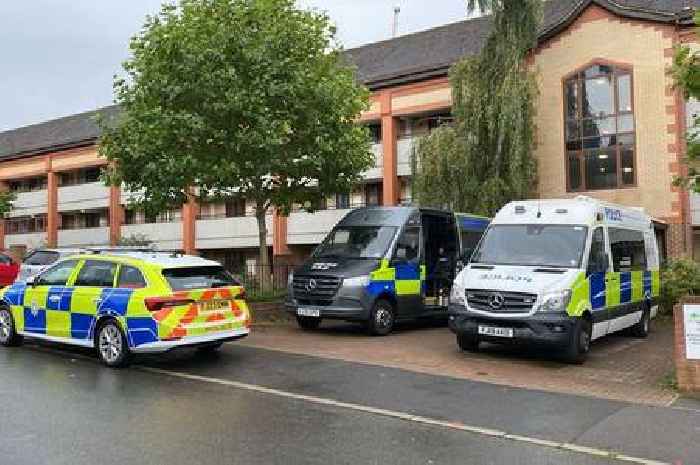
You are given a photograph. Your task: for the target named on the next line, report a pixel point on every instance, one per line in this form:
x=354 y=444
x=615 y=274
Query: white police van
x=562 y=272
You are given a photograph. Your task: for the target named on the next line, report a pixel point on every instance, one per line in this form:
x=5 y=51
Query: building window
x=599 y=129
x=235 y=208
x=342 y=200
x=81 y=176
x=373 y=194
x=25 y=225
x=84 y=219
x=29 y=184
x=375 y=131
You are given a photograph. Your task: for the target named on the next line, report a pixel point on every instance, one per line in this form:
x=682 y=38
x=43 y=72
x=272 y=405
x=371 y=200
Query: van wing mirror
x=400 y=255
x=31 y=281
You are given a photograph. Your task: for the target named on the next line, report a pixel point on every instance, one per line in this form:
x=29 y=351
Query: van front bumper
x=539 y=328
x=354 y=307
x=194 y=341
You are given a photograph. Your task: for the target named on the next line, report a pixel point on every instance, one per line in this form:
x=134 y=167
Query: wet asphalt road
x=62 y=407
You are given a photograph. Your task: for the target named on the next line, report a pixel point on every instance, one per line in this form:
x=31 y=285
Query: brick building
x=610 y=125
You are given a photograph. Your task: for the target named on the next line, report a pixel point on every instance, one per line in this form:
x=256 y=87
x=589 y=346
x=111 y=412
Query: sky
x=58 y=57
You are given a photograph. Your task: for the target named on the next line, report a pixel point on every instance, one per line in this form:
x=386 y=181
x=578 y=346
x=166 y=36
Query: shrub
x=679 y=278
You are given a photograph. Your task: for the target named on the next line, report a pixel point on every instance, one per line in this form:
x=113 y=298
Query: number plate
x=308 y=311
x=495 y=331
x=215 y=305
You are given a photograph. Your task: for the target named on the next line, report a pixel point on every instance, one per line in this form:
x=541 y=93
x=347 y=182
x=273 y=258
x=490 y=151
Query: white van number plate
x=307 y=311
x=495 y=331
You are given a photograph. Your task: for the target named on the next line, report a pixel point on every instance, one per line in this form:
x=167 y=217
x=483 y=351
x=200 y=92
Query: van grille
x=315 y=289
x=510 y=302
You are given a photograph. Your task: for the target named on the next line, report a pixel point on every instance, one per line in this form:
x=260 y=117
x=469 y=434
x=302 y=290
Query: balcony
x=162 y=235
x=377 y=171
x=83 y=237
x=236 y=232
x=404 y=148
x=311 y=228
x=83 y=196
x=30 y=203
x=28 y=240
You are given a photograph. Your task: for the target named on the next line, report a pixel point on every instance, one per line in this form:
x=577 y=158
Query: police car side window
x=56 y=276
x=131 y=278
x=628 y=250
x=96 y=273
x=598 y=259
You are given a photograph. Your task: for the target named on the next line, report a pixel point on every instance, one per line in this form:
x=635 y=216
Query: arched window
x=599 y=129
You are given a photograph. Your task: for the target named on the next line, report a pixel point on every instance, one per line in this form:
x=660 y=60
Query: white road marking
x=407 y=417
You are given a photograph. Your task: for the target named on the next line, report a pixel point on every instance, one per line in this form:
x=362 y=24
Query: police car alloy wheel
x=8 y=334
x=111 y=345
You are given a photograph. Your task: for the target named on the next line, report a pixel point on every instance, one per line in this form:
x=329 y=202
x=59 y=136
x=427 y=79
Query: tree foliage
x=685 y=71
x=494 y=95
x=6 y=200
x=239 y=98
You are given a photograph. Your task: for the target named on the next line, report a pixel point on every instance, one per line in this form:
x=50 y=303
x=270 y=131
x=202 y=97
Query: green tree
x=237 y=98
x=491 y=143
x=686 y=73
x=6 y=200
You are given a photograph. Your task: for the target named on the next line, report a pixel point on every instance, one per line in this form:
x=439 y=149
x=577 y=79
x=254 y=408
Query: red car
x=9 y=269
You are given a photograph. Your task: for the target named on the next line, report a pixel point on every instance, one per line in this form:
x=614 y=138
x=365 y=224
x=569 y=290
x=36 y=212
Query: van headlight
x=359 y=281
x=555 y=301
x=457 y=296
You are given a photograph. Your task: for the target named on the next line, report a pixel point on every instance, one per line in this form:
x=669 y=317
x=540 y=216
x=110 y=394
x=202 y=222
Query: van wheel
x=468 y=342
x=641 y=329
x=308 y=322
x=112 y=347
x=381 y=318
x=8 y=332
x=580 y=342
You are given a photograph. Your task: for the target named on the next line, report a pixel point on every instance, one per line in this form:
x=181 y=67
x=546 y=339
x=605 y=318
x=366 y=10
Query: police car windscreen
x=198 y=277
x=357 y=242
x=558 y=246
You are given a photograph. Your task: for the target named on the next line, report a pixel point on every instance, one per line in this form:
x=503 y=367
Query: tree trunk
x=264 y=269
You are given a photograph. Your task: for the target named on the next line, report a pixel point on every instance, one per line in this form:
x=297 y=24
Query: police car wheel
x=580 y=342
x=467 y=342
x=112 y=347
x=641 y=329
x=381 y=318
x=8 y=333
x=308 y=322
x=209 y=348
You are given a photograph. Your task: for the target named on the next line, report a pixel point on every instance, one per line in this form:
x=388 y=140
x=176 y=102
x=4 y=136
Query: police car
x=127 y=302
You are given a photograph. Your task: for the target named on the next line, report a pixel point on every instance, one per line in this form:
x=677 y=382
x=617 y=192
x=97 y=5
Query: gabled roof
x=404 y=59
x=417 y=56
x=69 y=131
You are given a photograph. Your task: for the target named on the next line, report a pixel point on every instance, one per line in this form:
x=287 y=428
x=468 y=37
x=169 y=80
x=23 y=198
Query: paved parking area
x=620 y=367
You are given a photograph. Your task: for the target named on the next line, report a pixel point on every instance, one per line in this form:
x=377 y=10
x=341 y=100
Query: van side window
x=628 y=250
x=408 y=245
x=598 y=259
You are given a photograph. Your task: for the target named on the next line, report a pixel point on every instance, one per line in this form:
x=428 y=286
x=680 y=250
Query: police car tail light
x=241 y=294
x=155 y=304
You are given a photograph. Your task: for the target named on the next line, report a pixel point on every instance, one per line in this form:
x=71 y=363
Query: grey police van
x=380 y=265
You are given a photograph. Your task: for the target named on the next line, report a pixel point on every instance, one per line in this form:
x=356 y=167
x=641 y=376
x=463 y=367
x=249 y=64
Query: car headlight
x=457 y=295
x=555 y=301
x=359 y=281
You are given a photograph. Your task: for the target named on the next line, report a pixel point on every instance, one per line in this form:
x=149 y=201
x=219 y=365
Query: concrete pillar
x=52 y=210
x=116 y=215
x=390 y=131
x=189 y=226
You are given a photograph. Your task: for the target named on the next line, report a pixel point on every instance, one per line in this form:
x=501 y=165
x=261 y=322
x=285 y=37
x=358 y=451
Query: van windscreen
x=198 y=277
x=558 y=246
x=357 y=242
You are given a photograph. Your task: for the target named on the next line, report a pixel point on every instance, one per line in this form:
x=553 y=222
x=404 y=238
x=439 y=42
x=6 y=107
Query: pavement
x=259 y=406
x=619 y=367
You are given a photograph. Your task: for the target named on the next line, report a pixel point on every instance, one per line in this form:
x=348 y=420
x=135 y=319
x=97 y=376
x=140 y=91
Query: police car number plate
x=495 y=331
x=215 y=305
x=308 y=311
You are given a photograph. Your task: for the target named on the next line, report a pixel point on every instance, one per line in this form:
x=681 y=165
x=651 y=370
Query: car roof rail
x=126 y=250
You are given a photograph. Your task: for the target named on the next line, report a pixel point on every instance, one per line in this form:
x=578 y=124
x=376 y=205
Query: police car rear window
x=198 y=277
x=41 y=257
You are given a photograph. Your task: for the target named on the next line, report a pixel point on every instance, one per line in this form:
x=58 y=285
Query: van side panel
x=397 y=281
x=580 y=296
